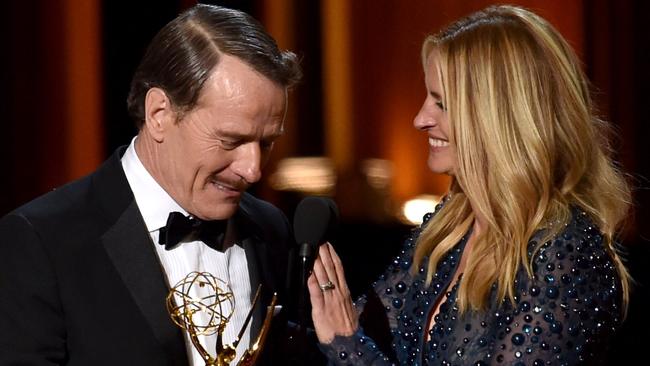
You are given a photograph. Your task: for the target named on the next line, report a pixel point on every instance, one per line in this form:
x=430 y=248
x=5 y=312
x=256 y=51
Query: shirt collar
x=154 y=202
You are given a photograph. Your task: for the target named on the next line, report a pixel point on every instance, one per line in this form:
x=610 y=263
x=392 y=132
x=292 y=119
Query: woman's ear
x=159 y=115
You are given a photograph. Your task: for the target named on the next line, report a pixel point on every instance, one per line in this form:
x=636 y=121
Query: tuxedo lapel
x=257 y=255
x=129 y=247
x=131 y=251
x=259 y=267
x=265 y=241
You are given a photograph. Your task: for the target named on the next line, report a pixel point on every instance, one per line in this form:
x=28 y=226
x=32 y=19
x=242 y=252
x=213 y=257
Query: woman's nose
x=424 y=119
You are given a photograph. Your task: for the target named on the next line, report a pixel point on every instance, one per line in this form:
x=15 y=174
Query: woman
x=518 y=264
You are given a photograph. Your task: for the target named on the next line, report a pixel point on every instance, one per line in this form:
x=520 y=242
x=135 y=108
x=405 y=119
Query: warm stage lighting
x=378 y=172
x=414 y=209
x=312 y=175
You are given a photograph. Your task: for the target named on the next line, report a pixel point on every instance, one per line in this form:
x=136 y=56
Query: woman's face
x=433 y=120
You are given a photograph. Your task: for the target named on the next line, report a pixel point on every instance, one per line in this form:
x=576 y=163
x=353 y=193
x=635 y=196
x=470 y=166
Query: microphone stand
x=306 y=255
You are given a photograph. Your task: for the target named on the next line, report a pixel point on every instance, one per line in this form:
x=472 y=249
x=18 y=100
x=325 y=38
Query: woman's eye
x=440 y=105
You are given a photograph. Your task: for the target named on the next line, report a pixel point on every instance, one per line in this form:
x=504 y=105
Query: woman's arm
x=335 y=317
x=569 y=310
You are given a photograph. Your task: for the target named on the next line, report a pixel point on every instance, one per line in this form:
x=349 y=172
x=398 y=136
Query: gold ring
x=327 y=286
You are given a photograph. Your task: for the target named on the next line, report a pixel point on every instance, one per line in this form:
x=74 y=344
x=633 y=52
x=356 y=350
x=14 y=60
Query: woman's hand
x=333 y=312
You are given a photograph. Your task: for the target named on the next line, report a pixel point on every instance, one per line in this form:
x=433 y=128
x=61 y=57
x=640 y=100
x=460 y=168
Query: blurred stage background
x=66 y=68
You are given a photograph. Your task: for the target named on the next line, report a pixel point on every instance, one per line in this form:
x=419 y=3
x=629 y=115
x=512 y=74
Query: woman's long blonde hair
x=528 y=147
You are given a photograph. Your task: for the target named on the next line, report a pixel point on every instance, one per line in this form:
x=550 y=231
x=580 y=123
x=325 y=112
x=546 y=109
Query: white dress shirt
x=230 y=266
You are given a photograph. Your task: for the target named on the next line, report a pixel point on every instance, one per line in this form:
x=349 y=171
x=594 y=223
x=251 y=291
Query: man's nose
x=248 y=162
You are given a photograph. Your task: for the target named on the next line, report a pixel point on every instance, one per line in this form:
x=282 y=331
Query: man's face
x=216 y=151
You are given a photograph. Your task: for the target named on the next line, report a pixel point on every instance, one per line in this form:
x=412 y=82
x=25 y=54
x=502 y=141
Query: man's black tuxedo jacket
x=81 y=284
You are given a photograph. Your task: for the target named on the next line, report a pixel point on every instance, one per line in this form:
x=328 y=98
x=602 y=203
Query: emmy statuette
x=216 y=304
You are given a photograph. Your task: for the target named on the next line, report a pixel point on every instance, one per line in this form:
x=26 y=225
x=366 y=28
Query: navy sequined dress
x=565 y=315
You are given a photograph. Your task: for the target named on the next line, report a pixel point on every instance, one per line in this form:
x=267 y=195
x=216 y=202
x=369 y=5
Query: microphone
x=314 y=223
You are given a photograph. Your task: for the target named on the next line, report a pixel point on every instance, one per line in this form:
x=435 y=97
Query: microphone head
x=315 y=220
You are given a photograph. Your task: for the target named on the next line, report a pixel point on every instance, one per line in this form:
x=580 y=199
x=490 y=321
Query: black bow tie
x=180 y=227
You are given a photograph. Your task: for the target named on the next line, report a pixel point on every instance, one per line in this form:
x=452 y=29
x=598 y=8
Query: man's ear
x=159 y=115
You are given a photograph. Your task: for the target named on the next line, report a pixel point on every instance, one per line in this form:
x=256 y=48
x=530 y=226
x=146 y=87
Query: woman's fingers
x=338 y=268
x=332 y=309
x=321 y=274
x=324 y=323
x=328 y=264
x=315 y=294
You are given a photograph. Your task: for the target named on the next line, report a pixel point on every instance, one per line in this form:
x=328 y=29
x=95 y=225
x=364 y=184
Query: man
x=85 y=269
